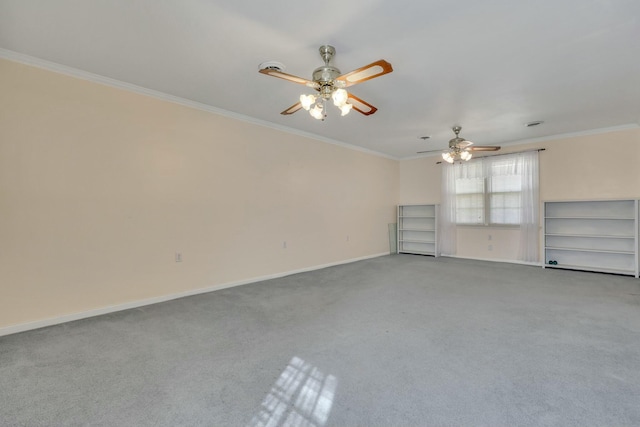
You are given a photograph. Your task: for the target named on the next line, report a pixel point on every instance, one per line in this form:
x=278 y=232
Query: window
x=470 y=200
x=504 y=199
x=488 y=192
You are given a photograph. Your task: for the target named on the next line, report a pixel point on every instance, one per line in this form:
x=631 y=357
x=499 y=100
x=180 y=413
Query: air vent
x=532 y=124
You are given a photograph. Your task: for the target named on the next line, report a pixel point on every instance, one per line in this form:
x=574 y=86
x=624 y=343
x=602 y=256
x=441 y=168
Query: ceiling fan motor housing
x=455 y=142
x=325 y=74
x=325 y=77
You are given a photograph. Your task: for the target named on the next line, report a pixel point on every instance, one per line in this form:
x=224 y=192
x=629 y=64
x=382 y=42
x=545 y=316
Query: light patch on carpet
x=301 y=397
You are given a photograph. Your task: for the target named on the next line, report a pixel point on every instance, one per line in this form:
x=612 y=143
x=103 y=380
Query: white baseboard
x=22 y=327
x=510 y=261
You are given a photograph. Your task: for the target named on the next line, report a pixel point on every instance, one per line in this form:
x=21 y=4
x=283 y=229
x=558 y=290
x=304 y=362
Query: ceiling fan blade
x=368 y=72
x=295 y=107
x=361 y=106
x=290 y=77
x=483 y=148
x=431 y=151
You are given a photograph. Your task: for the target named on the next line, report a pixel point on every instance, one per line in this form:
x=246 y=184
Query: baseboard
x=510 y=261
x=22 y=327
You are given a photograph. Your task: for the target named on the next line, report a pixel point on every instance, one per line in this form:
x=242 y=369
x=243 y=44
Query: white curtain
x=447 y=218
x=529 y=207
x=513 y=188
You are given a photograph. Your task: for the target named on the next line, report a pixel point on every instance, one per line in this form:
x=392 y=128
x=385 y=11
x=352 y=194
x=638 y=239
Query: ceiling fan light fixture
x=466 y=155
x=339 y=97
x=447 y=157
x=316 y=112
x=345 y=108
x=307 y=101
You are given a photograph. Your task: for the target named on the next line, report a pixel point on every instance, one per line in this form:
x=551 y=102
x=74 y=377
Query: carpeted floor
x=399 y=340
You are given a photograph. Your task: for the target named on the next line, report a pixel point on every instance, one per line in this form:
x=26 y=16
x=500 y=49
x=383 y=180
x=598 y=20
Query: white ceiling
x=490 y=66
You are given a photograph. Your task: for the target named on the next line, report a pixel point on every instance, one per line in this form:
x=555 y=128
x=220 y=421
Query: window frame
x=486 y=206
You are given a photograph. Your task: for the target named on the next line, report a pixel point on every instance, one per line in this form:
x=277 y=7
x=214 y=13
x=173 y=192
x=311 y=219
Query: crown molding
x=118 y=84
x=587 y=132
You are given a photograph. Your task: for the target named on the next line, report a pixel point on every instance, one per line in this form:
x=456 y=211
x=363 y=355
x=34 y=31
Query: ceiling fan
x=460 y=148
x=329 y=83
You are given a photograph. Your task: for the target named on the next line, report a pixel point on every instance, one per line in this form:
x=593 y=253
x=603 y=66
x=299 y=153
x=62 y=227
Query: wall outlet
x=347 y=238
x=490 y=237
x=284 y=245
x=490 y=247
x=178 y=256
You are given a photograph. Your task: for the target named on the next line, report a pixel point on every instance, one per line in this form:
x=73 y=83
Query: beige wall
x=99 y=187
x=420 y=181
x=572 y=168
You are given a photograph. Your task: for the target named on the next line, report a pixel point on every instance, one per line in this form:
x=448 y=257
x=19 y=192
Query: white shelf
x=588 y=236
x=589 y=217
x=604 y=251
x=417 y=225
x=591 y=208
x=599 y=235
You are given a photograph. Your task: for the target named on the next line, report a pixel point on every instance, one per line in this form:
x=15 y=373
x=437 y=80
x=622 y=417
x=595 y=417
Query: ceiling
x=490 y=66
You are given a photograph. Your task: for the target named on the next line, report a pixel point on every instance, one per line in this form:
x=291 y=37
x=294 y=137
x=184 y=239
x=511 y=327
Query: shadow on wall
x=301 y=397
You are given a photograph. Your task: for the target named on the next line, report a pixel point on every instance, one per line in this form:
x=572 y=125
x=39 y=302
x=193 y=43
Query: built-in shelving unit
x=417 y=229
x=599 y=235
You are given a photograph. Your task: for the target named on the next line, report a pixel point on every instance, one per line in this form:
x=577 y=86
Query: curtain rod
x=504 y=154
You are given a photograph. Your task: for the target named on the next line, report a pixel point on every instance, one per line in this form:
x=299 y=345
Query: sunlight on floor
x=301 y=397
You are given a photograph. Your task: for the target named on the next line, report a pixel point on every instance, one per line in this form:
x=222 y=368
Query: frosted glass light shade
x=316 y=112
x=447 y=157
x=307 y=101
x=345 y=108
x=339 y=97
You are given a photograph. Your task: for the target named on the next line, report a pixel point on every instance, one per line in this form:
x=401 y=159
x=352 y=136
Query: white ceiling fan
x=330 y=84
x=460 y=148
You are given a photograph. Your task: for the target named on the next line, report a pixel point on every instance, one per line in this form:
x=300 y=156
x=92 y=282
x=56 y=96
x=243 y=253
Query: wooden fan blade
x=483 y=148
x=361 y=106
x=290 y=77
x=368 y=72
x=295 y=107
x=431 y=151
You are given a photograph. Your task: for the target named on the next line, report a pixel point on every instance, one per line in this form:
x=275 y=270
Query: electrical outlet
x=178 y=256
x=284 y=245
x=347 y=238
x=490 y=237
x=490 y=247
